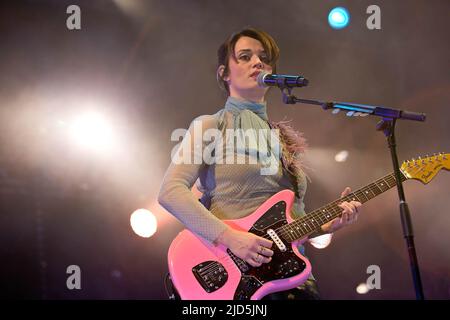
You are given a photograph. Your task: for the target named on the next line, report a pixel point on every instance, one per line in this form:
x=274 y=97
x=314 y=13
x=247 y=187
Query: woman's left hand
x=349 y=214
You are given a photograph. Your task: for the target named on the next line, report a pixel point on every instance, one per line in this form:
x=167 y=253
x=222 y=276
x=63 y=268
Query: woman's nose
x=258 y=63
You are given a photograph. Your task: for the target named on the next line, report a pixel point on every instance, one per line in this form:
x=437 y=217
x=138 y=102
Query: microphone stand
x=387 y=125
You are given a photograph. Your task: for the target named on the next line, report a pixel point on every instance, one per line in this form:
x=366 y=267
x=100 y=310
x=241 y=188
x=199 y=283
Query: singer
x=235 y=189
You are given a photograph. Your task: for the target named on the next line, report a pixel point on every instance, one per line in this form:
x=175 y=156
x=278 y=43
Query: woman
x=232 y=189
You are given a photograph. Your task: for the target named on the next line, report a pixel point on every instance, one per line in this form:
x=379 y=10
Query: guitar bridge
x=211 y=275
x=241 y=264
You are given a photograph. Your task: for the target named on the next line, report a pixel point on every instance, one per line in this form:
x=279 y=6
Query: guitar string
x=335 y=211
x=316 y=213
x=280 y=230
x=228 y=259
x=390 y=178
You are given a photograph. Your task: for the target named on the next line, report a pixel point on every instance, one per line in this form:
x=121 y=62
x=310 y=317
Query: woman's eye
x=245 y=57
x=264 y=59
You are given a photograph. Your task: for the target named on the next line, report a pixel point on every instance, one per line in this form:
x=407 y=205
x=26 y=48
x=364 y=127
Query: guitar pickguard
x=283 y=264
x=202 y=271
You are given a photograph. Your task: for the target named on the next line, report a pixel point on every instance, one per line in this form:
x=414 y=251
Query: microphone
x=265 y=79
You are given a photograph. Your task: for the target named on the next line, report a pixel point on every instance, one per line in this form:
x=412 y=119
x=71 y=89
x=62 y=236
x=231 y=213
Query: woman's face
x=251 y=59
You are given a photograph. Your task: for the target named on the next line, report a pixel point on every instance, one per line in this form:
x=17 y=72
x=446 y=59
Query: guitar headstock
x=424 y=169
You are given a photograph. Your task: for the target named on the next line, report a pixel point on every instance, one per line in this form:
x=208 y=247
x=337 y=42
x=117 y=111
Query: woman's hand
x=349 y=214
x=247 y=246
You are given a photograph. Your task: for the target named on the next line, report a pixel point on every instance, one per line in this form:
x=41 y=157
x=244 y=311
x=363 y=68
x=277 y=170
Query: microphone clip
x=288 y=97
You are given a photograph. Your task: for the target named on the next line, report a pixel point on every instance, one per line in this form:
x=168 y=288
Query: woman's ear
x=221 y=71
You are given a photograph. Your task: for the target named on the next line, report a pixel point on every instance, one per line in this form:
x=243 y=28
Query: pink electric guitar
x=201 y=271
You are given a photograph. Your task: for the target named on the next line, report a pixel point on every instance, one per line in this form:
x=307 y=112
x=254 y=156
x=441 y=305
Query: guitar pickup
x=273 y=235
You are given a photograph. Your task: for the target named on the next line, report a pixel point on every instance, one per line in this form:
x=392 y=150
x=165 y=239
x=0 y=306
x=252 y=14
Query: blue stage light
x=338 y=18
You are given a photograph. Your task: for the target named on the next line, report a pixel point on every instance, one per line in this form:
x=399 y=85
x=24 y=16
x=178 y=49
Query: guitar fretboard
x=312 y=221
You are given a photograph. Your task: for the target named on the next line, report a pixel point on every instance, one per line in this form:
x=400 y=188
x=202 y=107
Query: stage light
x=91 y=130
x=143 y=223
x=341 y=156
x=362 y=288
x=321 y=242
x=338 y=18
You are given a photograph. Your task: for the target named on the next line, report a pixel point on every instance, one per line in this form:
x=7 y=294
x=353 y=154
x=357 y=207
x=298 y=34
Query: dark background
x=150 y=67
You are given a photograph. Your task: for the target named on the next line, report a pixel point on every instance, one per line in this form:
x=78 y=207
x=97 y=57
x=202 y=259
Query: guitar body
x=202 y=271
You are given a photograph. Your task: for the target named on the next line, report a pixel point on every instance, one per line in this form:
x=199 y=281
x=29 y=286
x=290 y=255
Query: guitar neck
x=312 y=221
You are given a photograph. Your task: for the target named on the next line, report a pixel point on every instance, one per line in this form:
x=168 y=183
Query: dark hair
x=226 y=50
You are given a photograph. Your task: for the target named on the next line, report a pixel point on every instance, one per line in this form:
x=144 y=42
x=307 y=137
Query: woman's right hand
x=249 y=247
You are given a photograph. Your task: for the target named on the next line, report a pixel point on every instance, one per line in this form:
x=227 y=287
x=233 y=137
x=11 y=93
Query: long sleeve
x=175 y=194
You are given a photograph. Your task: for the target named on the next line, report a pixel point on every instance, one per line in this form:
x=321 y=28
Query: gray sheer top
x=230 y=190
